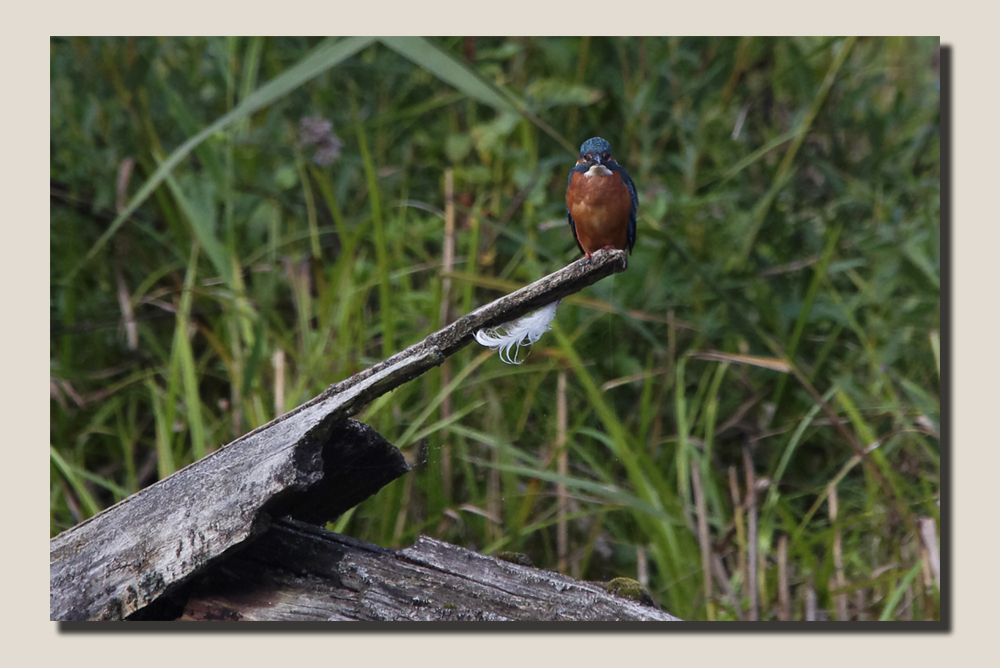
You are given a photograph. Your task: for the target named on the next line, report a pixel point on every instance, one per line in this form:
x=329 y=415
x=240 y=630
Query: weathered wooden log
x=127 y=556
x=299 y=572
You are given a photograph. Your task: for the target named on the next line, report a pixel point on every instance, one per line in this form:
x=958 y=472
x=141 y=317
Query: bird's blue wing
x=614 y=166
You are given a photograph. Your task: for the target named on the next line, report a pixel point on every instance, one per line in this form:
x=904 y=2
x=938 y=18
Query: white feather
x=523 y=332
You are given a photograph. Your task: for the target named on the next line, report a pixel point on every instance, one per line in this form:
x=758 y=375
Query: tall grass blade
x=897 y=594
x=444 y=66
x=90 y=506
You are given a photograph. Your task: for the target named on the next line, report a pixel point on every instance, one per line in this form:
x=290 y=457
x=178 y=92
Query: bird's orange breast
x=600 y=205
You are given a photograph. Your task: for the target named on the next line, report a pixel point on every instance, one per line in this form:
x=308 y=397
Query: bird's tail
x=510 y=337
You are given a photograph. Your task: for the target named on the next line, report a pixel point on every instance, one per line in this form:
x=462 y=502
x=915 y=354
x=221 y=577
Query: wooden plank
x=127 y=556
x=298 y=572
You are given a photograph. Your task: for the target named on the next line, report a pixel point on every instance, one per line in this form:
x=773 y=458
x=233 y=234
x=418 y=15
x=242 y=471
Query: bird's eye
x=589 y=156
x=605 y=155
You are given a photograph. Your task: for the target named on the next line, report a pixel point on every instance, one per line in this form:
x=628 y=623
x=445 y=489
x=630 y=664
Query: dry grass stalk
x=128 y=313
x=928 y=535
x=562 y=464
x=752 y=574
x=448 y=262
x=784 y=596
x=494 y=504
x=703 y=540
x=810 y=603
x=838 y=556
x=278 y=362
x=722 y=577
x=741 y=541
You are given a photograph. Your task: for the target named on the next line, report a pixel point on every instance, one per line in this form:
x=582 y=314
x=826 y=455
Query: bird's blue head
x=596 y=150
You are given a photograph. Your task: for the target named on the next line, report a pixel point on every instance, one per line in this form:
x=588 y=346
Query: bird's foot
x=586 y=257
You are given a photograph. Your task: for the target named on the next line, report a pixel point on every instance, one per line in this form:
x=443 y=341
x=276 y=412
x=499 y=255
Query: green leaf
x=897 y=594
x=203 y=223
x=457 y=146
x=545 y=93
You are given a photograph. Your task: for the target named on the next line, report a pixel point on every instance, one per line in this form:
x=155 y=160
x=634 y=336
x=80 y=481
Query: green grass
x=781 y=306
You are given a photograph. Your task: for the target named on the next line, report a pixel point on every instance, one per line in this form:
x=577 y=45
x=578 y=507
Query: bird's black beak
x=597 y=159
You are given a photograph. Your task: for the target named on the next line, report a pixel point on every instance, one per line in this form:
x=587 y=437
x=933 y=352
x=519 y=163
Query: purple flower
x=319 y=131
x=327 y=151
x=313 y=130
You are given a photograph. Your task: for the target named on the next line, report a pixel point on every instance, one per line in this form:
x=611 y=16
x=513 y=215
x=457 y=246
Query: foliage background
x=216 y=260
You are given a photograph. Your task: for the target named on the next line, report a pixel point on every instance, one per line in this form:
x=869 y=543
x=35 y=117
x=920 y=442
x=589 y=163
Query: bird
x=601 y=206
x=601 y=201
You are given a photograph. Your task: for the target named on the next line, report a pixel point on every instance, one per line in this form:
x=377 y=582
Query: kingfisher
x=601 y=202
x=601 y=205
